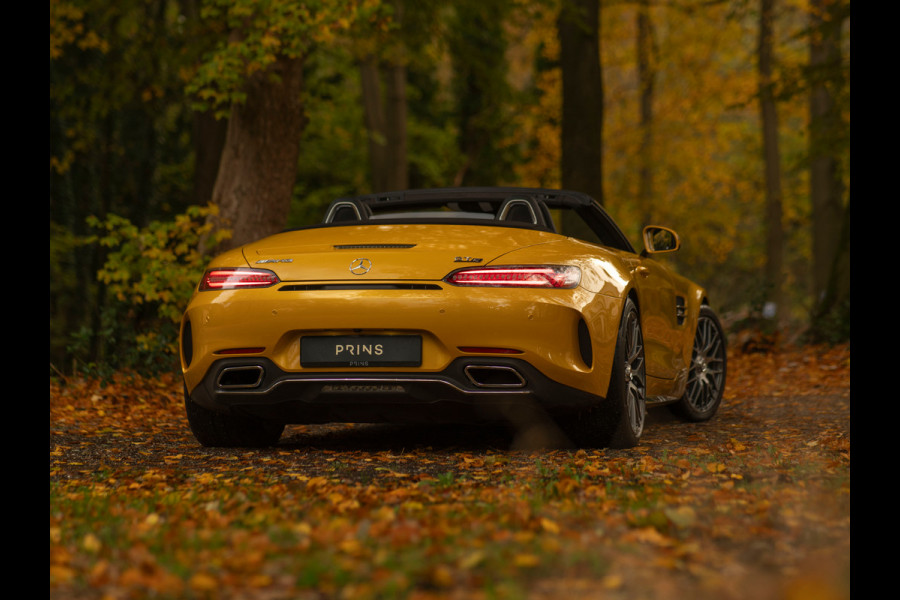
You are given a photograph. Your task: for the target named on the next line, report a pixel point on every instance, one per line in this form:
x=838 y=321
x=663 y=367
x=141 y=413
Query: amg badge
x=364 y=388
x=467 y=259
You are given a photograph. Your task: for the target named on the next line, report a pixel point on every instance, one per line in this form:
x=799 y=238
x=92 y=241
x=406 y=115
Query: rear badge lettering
x=467 y=259
x=366 y=389
x=274 y=260
x=358 y=350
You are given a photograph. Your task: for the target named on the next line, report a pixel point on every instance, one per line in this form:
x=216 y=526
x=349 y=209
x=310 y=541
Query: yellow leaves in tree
x=67 y=28
x=269 y=31
x=158 y=264
x=270 y=41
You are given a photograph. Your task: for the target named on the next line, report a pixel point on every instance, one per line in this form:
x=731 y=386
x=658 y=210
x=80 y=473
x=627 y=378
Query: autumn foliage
x=474 y=97
x=753 y=504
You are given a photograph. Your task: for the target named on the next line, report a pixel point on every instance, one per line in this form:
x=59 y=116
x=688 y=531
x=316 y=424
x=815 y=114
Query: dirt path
x=753 y=504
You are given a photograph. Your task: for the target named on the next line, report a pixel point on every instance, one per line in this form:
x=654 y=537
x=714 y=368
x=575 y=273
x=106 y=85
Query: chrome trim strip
x=373 y=246
x=377 y=381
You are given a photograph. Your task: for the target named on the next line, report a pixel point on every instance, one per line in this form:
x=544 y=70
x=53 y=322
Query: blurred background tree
x=381 y=94
x=121 y=142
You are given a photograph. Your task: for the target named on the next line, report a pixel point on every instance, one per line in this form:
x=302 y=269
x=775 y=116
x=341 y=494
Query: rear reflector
x=517 y=276
x=240 y=351
x=483 y=350
x=237 y=278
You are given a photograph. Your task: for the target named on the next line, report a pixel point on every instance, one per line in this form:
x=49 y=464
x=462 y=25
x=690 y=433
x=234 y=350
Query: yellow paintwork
x=542 y=323
x=436 y=247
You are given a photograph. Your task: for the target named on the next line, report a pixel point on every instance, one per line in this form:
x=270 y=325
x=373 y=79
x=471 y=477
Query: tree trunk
x=581 y=136
x=385 y=116
x=209 y=139
x=477 y=45
x=208 y=133
x=384 y=106
x=646 y=79
x=376 y=127
x=832 y=321
x=825 y=183
x=398 y=171
x=259 y=162
x=582 y=97
x=772 y=161
x=827 y=139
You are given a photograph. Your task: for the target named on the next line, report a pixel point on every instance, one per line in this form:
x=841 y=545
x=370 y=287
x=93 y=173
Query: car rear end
x=373 y=323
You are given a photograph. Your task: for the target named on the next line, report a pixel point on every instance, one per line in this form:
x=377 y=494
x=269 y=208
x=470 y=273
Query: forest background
x=181 y=127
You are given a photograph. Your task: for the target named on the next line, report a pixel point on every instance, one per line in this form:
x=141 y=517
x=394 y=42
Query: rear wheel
x=706 y=380
x=212 y=428
x=618 y=421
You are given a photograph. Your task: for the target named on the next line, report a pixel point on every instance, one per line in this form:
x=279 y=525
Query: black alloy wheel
x=706 y=379
x=629 y=386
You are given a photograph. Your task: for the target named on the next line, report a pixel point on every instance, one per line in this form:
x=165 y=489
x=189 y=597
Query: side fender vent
x=187 y=344
x=584 y=344
x=680 y=310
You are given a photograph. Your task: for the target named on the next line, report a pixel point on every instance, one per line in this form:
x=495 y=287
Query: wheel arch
x=632 y=293
x=697 y=298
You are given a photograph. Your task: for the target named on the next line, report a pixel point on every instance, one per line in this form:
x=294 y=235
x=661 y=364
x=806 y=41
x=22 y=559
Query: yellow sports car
x=449 y=305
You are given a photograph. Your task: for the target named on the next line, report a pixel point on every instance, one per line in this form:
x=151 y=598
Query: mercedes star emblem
x=360 y=266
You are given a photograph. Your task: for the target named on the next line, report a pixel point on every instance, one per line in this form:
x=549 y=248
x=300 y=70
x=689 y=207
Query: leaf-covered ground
x=754 y=504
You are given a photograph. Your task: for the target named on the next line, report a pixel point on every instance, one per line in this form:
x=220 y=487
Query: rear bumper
x=543 y=326
x=468 y=390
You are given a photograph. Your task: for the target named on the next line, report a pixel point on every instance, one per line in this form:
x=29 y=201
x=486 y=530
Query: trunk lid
x=389 y=252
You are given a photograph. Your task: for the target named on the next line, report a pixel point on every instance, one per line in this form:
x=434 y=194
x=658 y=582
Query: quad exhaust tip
x=233 y=378
x=494 y=376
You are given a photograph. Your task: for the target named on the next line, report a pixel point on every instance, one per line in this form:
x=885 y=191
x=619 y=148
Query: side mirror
x=660 y=239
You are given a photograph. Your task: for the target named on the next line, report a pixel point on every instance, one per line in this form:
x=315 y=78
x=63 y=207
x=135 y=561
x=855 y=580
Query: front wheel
x=706 y=379
x=217 y=429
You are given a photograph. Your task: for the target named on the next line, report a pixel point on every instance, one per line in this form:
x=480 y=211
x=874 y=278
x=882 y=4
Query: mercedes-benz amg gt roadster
x=449 y=305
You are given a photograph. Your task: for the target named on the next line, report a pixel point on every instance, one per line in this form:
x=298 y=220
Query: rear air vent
x=330 y=287
x=372 y=246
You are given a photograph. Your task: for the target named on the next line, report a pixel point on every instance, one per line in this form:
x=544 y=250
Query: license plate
x=361 y=351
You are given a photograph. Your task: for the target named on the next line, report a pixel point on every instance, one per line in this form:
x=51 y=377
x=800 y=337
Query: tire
x=706 y=379
x=215 y=429
x=618 y=421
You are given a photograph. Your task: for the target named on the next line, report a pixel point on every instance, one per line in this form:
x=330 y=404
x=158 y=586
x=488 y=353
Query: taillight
x=542 y=276
x=237 y=278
